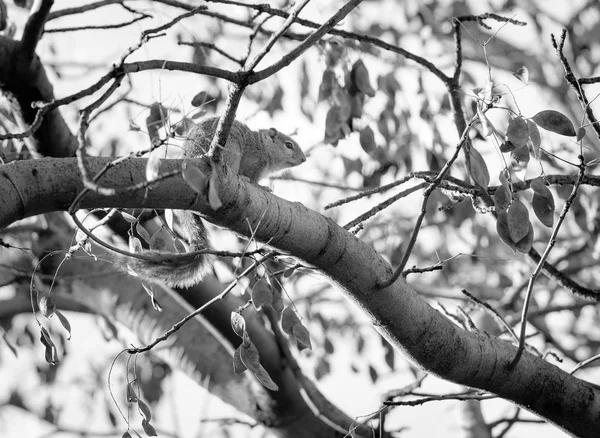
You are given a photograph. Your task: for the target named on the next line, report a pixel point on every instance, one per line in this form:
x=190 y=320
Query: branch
x=402 y=316
x=34 y=28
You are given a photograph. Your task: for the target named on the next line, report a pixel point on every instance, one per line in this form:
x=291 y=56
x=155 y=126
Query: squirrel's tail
x=176 y=270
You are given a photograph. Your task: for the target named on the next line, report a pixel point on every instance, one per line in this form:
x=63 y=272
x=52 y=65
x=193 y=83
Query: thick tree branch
x=397 y=312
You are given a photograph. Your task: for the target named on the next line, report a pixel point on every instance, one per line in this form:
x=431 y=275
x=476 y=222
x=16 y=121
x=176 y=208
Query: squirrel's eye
x=289 y=145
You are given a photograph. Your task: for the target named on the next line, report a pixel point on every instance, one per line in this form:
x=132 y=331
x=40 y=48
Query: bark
x=426 y=337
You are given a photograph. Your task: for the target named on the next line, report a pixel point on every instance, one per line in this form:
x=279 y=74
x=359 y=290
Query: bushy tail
x=176 y=270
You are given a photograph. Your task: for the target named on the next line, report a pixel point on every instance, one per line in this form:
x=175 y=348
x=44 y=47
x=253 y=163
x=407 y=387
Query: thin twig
x=413 y=238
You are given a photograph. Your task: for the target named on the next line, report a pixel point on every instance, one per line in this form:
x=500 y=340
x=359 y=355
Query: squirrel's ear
x=272 y=133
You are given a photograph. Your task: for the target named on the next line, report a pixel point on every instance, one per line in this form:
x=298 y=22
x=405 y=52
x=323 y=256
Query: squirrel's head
x=284 y=152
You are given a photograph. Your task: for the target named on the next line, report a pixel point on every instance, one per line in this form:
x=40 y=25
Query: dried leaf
x=543 y=207
x=478 y=169
x=135 y=245
x=517 y=132
x=518 y=220
x=555 y=121
x=195 y=178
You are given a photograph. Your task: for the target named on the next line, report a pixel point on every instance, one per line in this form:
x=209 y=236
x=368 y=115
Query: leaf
x=144 y=410
x=3 y=15
x=135 y=245
x=367 y=139
x=152 y=167
x=504 y=177
x=156 y=119
x=261 y=295
x=580 y=133
x=522 y=74
x=501 y=198
x=143 y=233
x=264 y=378
x=524 y=245
x=486 y=126
x=200 y=99
x=333 y=126
x=356 y=105
x=238 y=365
x=238 y=324
x=64 y=322
x=373 y=374
x=543 y=207
x=250 y=357
x=288 y=320
x=518 y=220
x=517 y=132
x=148 y=428
x=360 y=78
x=195 y=178
x=302 y=337
x=555 y=121
x=46 y=304
x=185 y=127
x=534 y=136
x=128 y=217
x=519 y=158
x=538 y=186
x=506 y=146
x=328 y=84
x=126 y=435
x=131 y=395
x=502 y=230
x=213 y=191
x=478 y=169
x=9 y=344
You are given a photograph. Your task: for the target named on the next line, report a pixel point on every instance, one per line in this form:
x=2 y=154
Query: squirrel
x=251 y=154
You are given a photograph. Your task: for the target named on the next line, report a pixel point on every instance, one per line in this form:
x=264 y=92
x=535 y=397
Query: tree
x=488 y=228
